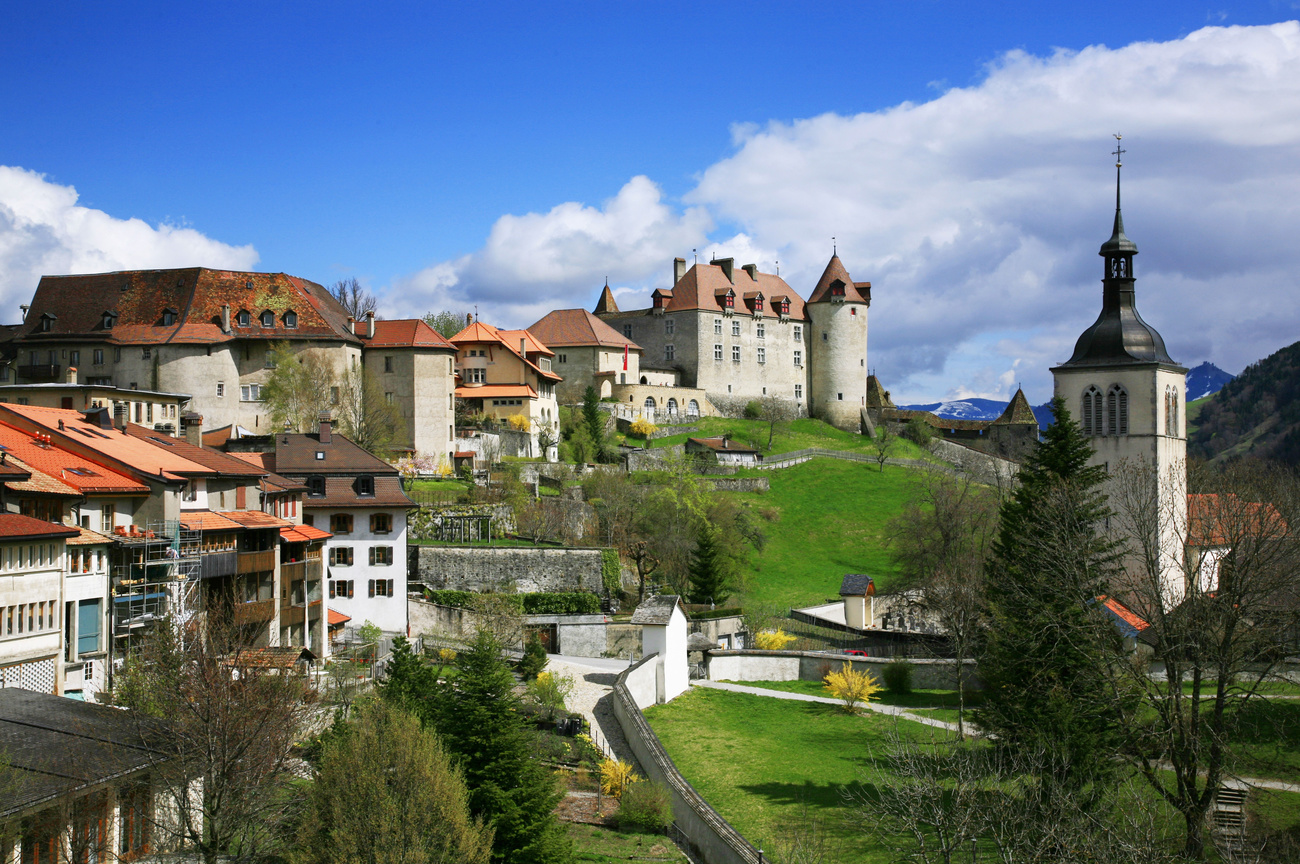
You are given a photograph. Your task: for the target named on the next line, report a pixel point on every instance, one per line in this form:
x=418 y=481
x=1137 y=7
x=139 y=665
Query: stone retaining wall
x=755 y=665
x=504 y=568
x=741 y=484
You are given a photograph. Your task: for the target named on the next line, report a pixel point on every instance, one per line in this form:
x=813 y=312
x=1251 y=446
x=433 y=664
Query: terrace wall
x=755 y=665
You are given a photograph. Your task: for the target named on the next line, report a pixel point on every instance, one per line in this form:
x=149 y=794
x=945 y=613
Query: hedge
x=571 y=603
x=611 y=572
x=721 y=612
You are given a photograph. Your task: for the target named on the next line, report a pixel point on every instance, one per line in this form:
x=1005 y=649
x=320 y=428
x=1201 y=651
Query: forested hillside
x=1257 y=413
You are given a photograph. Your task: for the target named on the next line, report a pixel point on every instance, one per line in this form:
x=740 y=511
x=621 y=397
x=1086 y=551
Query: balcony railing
x=256 y=612
x=257 y=562
x=218 y=564
x=40 y=371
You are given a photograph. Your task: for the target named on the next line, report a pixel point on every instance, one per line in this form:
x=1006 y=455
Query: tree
x=883 y=444
x=593 y=420
x=366 y=417
x=646 y=565
x=851 y=686
x=479 y=721
x=776 y=412
x=709 y=574
x=408 y=680
x=230 y=724
x=298 y=387
x=1216 y=587
x=447 y=322
x=355 y=299
x=1045 y=663
x=387 y=793
x=941 y=542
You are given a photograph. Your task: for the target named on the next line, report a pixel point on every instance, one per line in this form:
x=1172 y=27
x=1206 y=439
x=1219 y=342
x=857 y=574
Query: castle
x=739 y=335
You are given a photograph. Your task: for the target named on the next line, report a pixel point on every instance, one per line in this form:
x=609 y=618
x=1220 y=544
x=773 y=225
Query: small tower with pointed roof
x=837 y=347
x=1126 y=392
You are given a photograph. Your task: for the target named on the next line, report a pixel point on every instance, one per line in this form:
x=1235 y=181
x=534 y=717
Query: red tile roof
x=86 y=537
x=67 y=468
x=479 y=333
x=272 y=482
x=496 y=391
x=341 y=492
x=304 y=534
x=139 y=298
x=579 y=327
x=337 y=619
x=255 y=519
x=13 y=525
x=206 y=520
x=407 y=333
x=854 y=292
x=1224 y=519
x=214 y=460
x=40 y=483
x=703 y=283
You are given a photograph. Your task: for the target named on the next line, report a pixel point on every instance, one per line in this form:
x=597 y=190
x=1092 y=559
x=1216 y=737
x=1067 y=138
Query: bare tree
x=357 y=300
x=883 y=444
x=941 y=542
x=776 y=411
x=366 y=416
x=1218 y=584
x=231 y=724
x=299 y=385
x=646 y=565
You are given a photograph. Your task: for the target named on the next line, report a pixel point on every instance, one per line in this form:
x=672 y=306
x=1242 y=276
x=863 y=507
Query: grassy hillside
x=823 y=519
x=795 y=435
x=1193 y=410
x=1256 y=414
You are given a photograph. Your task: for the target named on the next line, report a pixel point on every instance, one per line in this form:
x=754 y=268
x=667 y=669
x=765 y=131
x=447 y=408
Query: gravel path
x=593 y=698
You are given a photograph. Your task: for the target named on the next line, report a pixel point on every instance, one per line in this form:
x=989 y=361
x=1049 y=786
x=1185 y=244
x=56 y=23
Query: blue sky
x=454 y=154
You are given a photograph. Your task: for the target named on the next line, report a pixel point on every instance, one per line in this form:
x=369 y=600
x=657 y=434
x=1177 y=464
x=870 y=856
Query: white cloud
x=44 y=231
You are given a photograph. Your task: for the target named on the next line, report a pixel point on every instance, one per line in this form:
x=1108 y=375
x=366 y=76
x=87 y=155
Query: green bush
x=753 y=410
x=918 y=431
x=898 y=677
x=459 y=599
x=611 y=572
x=707 y=614
x=572 y=603
x=645 y=806
x=534 y=659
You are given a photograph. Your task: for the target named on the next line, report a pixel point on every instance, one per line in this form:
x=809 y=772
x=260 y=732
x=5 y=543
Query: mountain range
x=1256 y=414
x=1202 y=381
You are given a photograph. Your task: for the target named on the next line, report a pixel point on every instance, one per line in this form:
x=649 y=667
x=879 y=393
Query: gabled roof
x=295 y=455
x=606 y=303
x=407 y=333
x=857 y=585
x=657 y=610
x=578 y=327
x=722 y=444
x=272 y=482
x=220 y=463
x=256 y=519
x=854 y=292
x=703 y=283
x=1125 y=619
x=65 y=467
x=303 y=534
x=15 y=525
x=1017 y=412
x=479 y=333
x=1222 y=519
x=138 y=298
x=206 y=520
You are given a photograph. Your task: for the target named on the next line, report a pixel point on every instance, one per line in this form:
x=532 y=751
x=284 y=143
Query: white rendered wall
x=389 y=613
x=838 y=337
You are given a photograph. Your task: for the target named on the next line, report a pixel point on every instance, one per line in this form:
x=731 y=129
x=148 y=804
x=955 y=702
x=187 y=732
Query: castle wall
x=577 y=364
x=839 y=362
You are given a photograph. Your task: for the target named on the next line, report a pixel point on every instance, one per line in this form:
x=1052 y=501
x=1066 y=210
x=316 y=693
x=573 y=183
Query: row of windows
x=85 y=561
x=342 y=556
x=760 y=330
x=38 y=555
x=341 y=523
x=1105 y=416
x=30 y=618
x=376 y=588
x=244 y=318
x=761 y=354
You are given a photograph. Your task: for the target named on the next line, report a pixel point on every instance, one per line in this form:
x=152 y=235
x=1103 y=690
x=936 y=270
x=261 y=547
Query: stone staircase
x=1228 y=814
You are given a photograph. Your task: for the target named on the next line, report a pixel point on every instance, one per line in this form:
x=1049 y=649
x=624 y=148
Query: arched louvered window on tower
x=1174 y=401
x=1116 y=410
x=1090 y=416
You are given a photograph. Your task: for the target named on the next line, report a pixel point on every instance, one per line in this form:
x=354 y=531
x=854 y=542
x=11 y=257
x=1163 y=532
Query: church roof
x=854 y=292
x=1017 y=412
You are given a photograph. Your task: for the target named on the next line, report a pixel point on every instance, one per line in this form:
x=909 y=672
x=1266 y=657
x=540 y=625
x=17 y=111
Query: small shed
x=462 y=460
x=859 y=595
x=724 y=450
x=664 y=632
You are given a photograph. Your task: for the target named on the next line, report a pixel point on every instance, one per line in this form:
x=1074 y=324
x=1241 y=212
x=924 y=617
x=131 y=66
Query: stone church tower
x=837 y=347
x=1128 y=394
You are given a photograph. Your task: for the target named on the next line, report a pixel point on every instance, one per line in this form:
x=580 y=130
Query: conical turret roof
x=606 y=302
x=1018 y=411
x=835 y=272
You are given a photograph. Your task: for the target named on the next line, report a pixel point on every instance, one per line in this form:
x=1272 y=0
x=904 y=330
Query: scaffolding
x=156 y=575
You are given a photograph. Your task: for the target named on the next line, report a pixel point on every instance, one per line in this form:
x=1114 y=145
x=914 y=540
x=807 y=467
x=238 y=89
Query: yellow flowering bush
x=519 y=422
x=643 y=428
x=615 y=776
x=772 y=640
x=851 y=686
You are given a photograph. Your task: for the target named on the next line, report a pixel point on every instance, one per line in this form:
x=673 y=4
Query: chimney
x=193 y=423
x=119 y=414
x=225 y=317
x=469 y=318
x=752 y=270
x=352 y=325
x=72 y=375
x=679 y=269
x=370 y=325
x=728 y=266
x=326 y=422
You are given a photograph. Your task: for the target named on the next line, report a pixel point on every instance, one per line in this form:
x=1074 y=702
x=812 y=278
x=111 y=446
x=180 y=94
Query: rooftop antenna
x=1119 y=163
x=695 y=256
x=475 y=311
x=834 y=248
x=778 y=268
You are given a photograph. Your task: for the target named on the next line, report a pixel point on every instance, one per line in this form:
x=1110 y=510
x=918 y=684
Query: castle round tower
x=837 y=347
x=1128 y=395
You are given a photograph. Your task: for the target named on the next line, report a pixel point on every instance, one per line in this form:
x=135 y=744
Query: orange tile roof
x=496 y=391
x=86 y=537
x=579 y=327
x=338 y=618
x=531 y=342
x=407 y=333
x=1119 y=610
x=255 y=519
x=854 y=292
x=304 y=534
x=1222 y=519
x=39 y=482
x=206 y=520
x=15 y=525
x=479 y=333
x=700 y=286
x=64 y=466
x=127 y=451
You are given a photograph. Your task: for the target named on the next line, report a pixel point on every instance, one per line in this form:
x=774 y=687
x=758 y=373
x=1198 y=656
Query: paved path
x=892 y=710
x=593 y=697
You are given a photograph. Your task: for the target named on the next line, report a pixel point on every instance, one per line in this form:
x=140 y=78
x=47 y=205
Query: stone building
x=1011 y=436
x=589 y=353
x=739 y=335
x=415 y=366
x=507 y=373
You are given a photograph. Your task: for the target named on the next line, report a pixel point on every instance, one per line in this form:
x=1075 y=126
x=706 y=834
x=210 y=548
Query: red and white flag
x=625 y=358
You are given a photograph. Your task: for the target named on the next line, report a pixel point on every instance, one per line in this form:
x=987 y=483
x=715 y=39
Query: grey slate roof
x=657 y=610
x=855 y=585
x=57 y=746
x=699 y=642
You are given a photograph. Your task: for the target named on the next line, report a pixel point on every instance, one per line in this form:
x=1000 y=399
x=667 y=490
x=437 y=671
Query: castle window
x=562 y=358
x=98 y=357
x=669 y=352
x=798 y=391
x=735 y=328
x=668 y=327
x=627 y=330
x=761 y=330
x=762 y=355
x=388 y=364
x=735 y=353
x=1171 y=411
x=146 y=353
x=798 y=358
x=798 y=332
x=825 y=336
x=268 y=318
x=243 y=318
x=47 y=322
x=717 y=352
x=1090 y=413
x=1116 y=410
x=717 y=326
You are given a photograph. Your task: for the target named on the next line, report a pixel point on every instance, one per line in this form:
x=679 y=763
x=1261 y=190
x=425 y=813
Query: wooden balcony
x=257 y=562
x=292 y=571
x=215 y=565
x=256 y=612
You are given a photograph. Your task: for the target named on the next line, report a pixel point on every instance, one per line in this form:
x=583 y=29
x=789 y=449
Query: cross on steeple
x=1119 y=163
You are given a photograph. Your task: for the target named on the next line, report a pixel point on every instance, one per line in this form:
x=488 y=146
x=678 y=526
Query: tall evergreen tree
x=1045 y=661
x=591 y=416
x=709 y=570
x=409 y=682
x=479 y=721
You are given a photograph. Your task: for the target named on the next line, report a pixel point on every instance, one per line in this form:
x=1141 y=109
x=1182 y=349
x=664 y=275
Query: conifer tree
x=1045 y=662
x=709 y=570
x=408 y=682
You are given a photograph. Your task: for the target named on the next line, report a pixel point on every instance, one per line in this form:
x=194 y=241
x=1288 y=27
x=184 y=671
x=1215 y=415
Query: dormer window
x=169 y=317
x=110 y=318
x=47 y=322
x=291 y=320
x=366 y=485
x=316 y=487
x=244 y=318
x=268 y=318
x=837 y=291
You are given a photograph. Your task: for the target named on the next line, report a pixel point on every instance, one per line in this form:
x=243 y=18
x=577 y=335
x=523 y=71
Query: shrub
x=611 y=572
x=549 y=690
x=459 y=599
x=772 y=640
x=642 y=428
x=753 y=410
x=646 y=806
x=918 y=431
x=534 y=659
x=851 y=686
x=519 y=422
x=561 y=603
x=898 y=677
x=616 y=776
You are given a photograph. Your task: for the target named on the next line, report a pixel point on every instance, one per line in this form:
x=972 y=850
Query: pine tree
x=1045 y=661
x=593 y=420
x=709 y=569
x=409 y=682
x=479 y=721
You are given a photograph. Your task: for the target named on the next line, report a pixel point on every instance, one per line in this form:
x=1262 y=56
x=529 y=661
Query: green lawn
x=1267 y=739
x=1193 y=413
x=606 y=845
x=822 y=519
x=428 y=484
x=795 y=435
x=938 y=699
x=760 y=761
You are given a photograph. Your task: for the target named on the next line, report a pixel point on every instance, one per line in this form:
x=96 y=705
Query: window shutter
x=331 y=589
x=350 y=589
x=390 y=588
x=372 y=556
x=372 y=587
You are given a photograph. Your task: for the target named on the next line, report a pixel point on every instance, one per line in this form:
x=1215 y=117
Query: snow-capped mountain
x=1205 y=380
x=963 y=409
